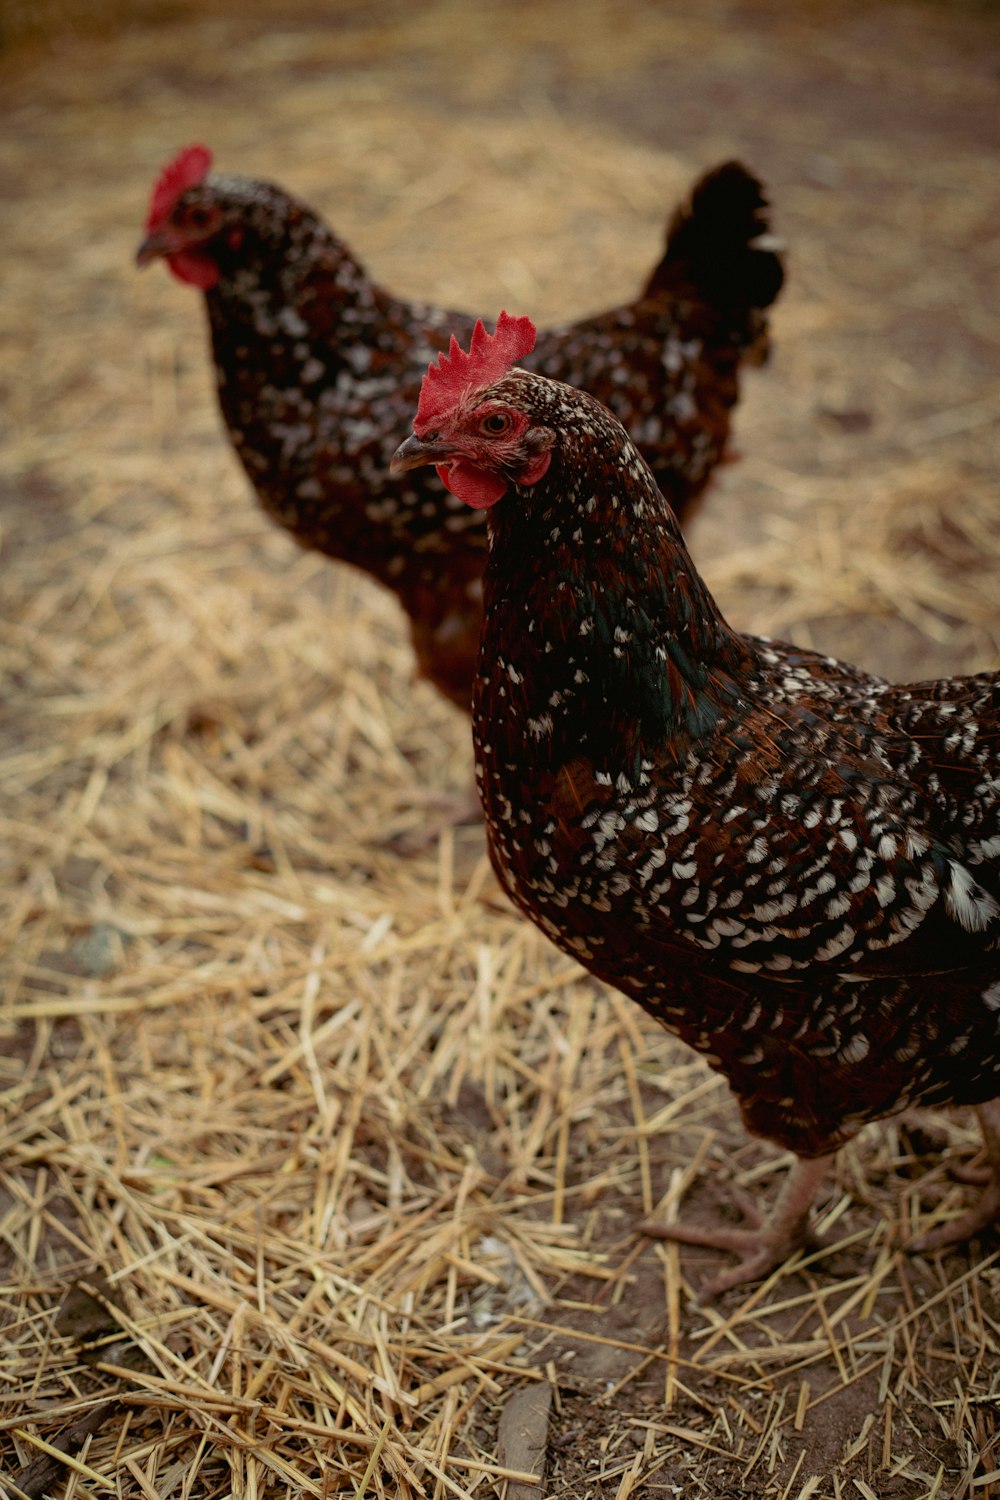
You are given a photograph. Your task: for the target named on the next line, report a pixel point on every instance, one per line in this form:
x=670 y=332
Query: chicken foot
x=767 y=1242
x=987 y=1210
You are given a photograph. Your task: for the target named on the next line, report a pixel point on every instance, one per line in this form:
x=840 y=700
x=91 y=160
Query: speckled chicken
x=793 y=865
x=319 y=368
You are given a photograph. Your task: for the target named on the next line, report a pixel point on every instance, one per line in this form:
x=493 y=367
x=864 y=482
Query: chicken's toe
x=768 y=1243
x=760 y=1250
x=985 y=1213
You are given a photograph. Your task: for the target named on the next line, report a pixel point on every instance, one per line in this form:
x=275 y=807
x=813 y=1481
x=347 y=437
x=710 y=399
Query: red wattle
x=197 y=270
x=477 y=487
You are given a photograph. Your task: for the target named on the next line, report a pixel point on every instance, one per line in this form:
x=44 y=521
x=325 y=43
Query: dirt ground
x=319 y=1169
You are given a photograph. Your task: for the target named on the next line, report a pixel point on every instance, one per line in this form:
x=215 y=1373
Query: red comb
x=490 y=356
x=188 y=168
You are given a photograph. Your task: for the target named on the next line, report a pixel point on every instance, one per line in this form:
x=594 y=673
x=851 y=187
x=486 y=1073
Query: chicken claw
x=768 y=1243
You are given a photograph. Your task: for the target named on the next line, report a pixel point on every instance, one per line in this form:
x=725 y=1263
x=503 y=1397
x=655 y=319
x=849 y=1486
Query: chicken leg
x=768 y=1242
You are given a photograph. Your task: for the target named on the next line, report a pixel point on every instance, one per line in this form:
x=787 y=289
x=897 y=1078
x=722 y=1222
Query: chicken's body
x=790 y=863
x=318 y=369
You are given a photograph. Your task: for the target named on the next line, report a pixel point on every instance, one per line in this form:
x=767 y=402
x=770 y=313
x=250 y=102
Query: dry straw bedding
x=344 y=1152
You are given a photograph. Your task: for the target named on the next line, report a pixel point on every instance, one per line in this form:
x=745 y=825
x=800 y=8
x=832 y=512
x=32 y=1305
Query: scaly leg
x=770 y=1242
x=987 y=1210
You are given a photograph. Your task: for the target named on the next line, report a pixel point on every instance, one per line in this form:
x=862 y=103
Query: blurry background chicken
x=792 y=864
x=318 y=369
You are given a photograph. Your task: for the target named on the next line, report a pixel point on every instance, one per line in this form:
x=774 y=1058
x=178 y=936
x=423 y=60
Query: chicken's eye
x=495 y=423
x=198 y=217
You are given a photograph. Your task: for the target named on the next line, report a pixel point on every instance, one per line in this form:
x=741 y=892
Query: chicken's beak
x=414 y=452
x=152 y=248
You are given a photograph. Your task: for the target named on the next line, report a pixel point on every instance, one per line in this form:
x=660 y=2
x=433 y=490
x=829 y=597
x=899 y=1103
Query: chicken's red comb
x=188 y=168
x=490 y=356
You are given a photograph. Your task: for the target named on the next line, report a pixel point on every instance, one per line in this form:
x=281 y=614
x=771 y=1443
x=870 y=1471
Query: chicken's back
x=668 y=364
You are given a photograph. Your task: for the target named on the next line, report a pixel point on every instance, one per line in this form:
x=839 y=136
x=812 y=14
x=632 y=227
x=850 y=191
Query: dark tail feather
x=720 y=250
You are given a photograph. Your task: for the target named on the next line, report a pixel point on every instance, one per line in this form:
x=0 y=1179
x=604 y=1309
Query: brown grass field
x=320 y=1169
